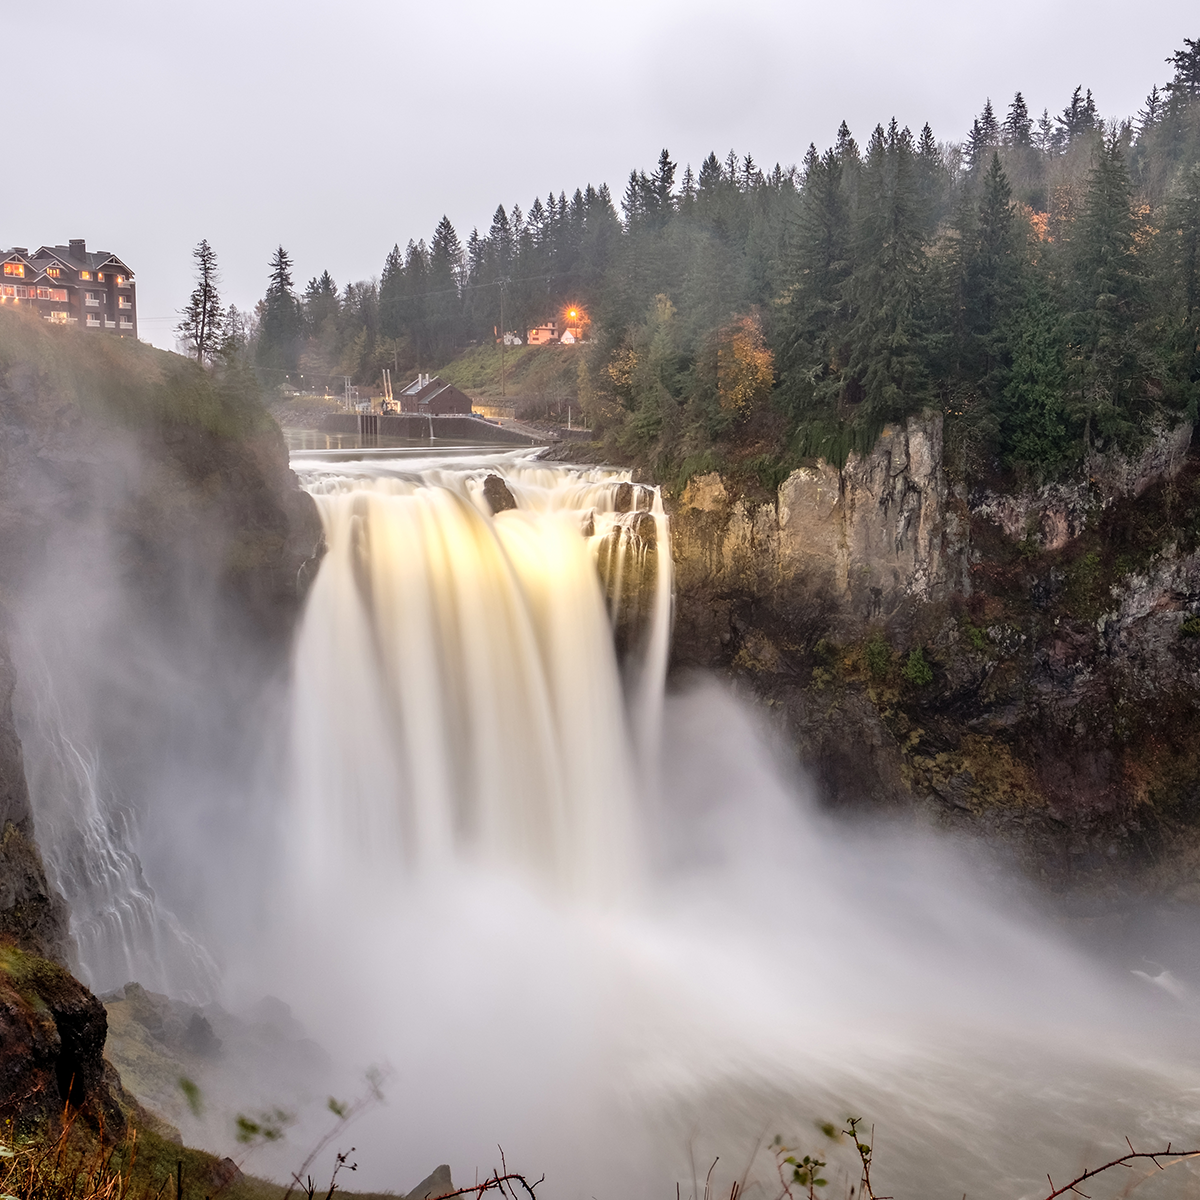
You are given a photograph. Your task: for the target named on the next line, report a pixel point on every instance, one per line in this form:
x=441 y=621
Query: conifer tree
x=1018 y=125
x=282 y=324
x=886 y=336
x=1107 y=291
x=203 y=319
x=1187 y=70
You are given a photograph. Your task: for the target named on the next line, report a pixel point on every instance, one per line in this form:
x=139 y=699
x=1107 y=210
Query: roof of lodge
x=69 y=256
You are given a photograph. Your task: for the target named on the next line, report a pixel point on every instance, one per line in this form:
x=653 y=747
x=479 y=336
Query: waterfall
x=458 y=690
x=121 y=930
x=620 y=970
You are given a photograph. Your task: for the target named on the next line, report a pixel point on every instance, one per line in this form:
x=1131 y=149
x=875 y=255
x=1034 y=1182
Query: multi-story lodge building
x=68 y=286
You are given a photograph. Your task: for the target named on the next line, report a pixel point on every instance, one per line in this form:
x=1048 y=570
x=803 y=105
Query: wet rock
x=496 y=493
x=52 y=1032
x=645 y=529
x=623 y=498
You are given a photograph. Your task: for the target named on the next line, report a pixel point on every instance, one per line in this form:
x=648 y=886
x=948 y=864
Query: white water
x=607 y=931
x=619 y=973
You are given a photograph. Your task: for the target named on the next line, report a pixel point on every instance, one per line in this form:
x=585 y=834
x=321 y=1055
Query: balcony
x=93 y=321
x=126 y=323
x=124 y=302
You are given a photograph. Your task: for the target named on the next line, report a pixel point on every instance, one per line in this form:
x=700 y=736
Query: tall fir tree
x=281 y=326
x=202 y=322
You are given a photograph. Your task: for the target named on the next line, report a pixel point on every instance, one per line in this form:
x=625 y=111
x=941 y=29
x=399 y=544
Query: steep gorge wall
x=151 y=533
x=1020 y=665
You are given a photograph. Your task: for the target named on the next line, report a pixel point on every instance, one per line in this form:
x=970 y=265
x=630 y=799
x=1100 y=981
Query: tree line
x=1038 y=281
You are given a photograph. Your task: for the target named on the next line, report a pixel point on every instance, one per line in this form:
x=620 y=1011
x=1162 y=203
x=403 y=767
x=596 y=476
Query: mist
x=699 y=959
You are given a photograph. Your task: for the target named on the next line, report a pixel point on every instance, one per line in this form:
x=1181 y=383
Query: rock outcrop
x=870 y=543
x=1022 y=665
x=52 y=1032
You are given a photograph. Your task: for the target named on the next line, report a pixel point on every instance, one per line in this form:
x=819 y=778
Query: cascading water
x=620 y=972
x=457 y=694
x=120 y=930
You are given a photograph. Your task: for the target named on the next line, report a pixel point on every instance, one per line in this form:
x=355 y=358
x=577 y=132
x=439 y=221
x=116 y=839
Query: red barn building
x=432 y=397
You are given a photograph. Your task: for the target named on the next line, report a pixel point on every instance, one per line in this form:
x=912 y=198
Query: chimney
x=20 y=249
x=78 y=247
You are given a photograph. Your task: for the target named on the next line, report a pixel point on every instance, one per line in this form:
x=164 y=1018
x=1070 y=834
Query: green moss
x=1190 y=627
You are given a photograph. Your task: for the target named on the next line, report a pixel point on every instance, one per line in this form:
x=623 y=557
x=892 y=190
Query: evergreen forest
x=1038 y=282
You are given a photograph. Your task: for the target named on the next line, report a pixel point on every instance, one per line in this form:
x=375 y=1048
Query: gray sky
x=338 y=129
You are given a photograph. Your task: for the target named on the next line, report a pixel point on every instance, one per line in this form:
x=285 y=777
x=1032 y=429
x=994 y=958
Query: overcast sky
x=341 y=128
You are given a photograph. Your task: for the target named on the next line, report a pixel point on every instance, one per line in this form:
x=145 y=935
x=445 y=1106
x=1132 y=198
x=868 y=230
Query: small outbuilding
x=430 y=396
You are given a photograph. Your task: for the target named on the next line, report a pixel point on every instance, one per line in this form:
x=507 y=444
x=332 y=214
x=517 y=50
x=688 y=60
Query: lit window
x=85 y=274
x=58 y=318
x=91 y=300
x=17 y=269
x=124 y=302
x=59 y=294
x=120 y=280
x=53 y=272
x=100 y=277
x=7 y=291
x=93 y=320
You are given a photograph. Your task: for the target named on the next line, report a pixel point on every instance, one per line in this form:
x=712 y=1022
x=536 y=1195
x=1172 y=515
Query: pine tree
x=1187 y=69
x=990 y=265
x=1035 y=425
x=203 y=319
x=1018 y=125
x=886 y=337
x=282 y=324
x=660 y=198
x=1178 y=294
x=1107 y=286
x=633 y=202
x=1151 y=112
x=1079 y=117
x=1044 y=138
x=813 y=351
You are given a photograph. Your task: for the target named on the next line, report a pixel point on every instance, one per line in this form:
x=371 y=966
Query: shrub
x=878 y=656
x=917 y=671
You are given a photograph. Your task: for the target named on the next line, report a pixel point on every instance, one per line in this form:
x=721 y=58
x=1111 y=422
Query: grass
x=536 y=376
x=57 y=368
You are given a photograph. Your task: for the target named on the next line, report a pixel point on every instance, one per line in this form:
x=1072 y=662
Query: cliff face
x=873 y=542
x=1024 y=665
x=154 y=547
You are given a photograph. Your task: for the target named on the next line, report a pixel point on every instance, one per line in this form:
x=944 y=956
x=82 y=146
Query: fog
x=746 y=966
x=341 y=129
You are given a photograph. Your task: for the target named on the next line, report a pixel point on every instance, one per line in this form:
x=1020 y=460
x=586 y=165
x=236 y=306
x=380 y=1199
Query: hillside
x=539 y=382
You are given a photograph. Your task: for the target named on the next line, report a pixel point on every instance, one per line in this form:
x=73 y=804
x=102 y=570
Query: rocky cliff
x=1025 y=664
x=147 y=516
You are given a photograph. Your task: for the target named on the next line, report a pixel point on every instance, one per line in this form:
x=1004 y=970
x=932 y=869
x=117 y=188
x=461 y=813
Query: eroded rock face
x=869 y=543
